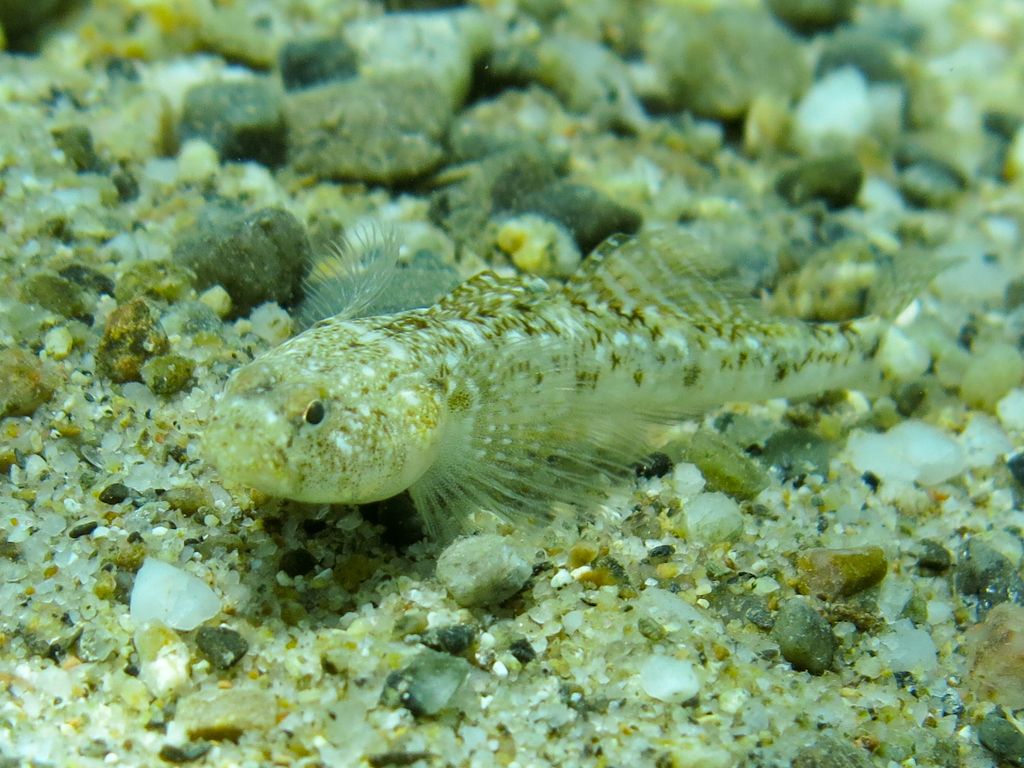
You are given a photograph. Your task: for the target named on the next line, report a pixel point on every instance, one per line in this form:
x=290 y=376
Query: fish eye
x=314 y=412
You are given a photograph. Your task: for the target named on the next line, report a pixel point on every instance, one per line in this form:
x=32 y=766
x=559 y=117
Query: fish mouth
x=243 y=445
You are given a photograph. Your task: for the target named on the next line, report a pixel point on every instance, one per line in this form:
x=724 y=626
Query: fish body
x=511 y=392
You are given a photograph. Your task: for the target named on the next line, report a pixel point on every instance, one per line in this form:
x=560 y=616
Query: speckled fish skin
x=510 y=393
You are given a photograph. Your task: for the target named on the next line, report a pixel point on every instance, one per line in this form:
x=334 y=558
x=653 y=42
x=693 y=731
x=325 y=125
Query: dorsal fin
x=672 y=269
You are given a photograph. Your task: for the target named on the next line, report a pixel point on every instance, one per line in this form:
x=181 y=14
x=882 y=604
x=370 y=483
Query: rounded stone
x=804 y=637
x=482 y=570
x=241 y=120
x=807 y=16
x=834 y=180
x=256 y=257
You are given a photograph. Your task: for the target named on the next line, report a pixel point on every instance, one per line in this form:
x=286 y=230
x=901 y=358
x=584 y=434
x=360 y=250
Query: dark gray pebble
x=835 y=180
x=83 y=529
x=184 y=753
x=115 y=493
x=454 y=639
x=223 y=646
x=588 y=214
x=241 y=120
x=999 y=736
x=1016 y=466
x=522 y=651
x=76 y=143
x=297 y=562
x=797 y=452
x=874 y=54
x=932 y=556
x=304 y=63
x=255 y=257
x=807 y=16
x=21 y=17
x=990 y=575
x=805 y=639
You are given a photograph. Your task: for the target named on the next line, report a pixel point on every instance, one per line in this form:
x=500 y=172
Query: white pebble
x=908 y=649
x=58 y=342
x=1011 y=409
x=983 y=441
x=481 y=570
x=667 y=679
x=901 y=357
x=171 y=596
x=835 y=110
x=712 y=518
x=911 y=451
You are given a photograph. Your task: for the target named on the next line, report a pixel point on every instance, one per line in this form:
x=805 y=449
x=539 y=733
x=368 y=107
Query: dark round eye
x=314 y=412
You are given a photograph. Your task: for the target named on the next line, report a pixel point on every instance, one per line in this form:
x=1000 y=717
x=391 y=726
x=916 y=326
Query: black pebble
x=221 y=645
x=297 y=562
x=115 y=493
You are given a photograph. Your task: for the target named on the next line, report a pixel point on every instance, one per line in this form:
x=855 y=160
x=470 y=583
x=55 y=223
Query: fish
x=510 y=394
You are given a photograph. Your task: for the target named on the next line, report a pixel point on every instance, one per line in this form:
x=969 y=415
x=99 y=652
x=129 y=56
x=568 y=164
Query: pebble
x=167 y=374
x=115 y=493
x=995 y=655
x=1016 y=466
x=797 y=452
x=872 y=53
x=538 y=246
x=712 y=518
x=441 y=46
x=911 y=451
x=165 y=593
x=223 y=646
x=490 y=185
x=164 y=659
x=242 y=120
x=588 y=214
x=56 y=294
x=1010 y=409
x=808 y=16
x=58 y=343
x=454 y=638
x=991 y=373
x=427 y=684
x=226 y=714
x=163 y=280
x=930 y=184
x=28 y=384
x=482 y=570
x=75 y=142
x=668 y=679
x=1002 y=738
x=725 y=467
x=87 y=278
x=131 y=336
x=717 y=62
x=804 y=637
x=834 y=113
x=657 y=464
x=522 y=651
x=932 y=556
x=304 y=63
x=834 y=179
x=381 y=129
x=833 y=573
x=989 y=574
x=183 y=753
x=297 y=562
x=21 y=17
x=256 y=257
x=830 y=752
